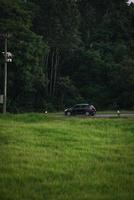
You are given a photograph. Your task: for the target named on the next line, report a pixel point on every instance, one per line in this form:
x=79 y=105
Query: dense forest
x=67 y=52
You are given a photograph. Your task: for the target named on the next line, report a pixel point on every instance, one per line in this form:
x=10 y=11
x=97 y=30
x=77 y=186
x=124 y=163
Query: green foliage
x=68 y=52
x=27 y=71
x=59 y=31
x=67 y=92
x=13 y=16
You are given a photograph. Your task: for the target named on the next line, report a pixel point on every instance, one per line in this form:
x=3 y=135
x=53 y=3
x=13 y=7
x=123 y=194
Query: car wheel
x=87 y=113
x=92 y=114
x=68 y=113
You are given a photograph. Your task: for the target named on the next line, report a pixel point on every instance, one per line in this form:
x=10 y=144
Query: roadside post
x=118 y=113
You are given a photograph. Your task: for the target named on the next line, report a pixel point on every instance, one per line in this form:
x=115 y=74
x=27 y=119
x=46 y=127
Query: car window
x=76 y=106
x=80 y=106
x=83 y=106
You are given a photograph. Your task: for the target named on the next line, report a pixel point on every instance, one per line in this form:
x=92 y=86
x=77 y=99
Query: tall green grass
x=52 y=157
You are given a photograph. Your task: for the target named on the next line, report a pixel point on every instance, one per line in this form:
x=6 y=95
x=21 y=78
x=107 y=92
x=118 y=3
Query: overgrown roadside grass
x=52 y=157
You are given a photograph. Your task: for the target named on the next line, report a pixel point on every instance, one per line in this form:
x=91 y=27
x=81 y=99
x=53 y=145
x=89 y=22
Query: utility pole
x=7 y=58
x=5 y=78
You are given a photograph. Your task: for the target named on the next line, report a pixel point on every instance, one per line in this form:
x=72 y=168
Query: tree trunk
x=51 y=73
x=55 y=70
x=46 y=70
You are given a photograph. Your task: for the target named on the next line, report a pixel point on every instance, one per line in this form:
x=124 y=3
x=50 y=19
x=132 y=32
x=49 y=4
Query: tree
x=26 y=73
x=59 y=32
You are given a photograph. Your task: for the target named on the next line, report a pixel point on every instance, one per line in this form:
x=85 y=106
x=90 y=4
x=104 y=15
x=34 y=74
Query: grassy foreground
x=59 y=158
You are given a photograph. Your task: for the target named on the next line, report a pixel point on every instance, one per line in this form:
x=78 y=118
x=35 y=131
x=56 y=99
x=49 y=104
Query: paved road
x=125 y=115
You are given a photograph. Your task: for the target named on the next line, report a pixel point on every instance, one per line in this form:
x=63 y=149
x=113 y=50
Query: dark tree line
x=67 y=52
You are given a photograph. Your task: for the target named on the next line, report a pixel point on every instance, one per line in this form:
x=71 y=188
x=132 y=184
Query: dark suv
x=78 y=109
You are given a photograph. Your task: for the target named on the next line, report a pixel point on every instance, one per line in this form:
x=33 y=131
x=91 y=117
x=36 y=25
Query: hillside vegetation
x=68 y=52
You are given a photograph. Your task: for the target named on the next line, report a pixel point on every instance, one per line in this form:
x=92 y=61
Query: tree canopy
x=68 y=52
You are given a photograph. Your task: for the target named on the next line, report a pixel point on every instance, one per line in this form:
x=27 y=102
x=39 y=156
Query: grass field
x=59 y=158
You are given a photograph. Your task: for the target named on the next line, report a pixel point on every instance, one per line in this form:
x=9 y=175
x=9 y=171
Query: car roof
x=82 y=104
